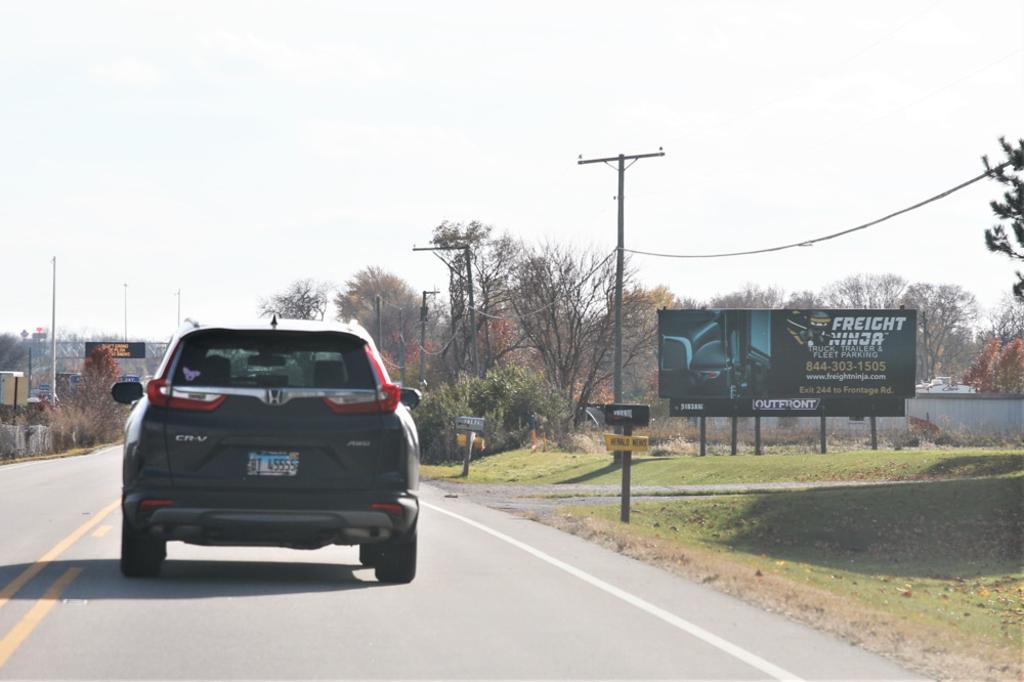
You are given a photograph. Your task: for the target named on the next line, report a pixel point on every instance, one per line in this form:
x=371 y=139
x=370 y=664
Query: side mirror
x=126 y=392
x=411 y=397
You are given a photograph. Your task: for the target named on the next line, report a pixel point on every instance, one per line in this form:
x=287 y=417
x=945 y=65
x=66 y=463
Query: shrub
x=88 y=415
x=505 y=397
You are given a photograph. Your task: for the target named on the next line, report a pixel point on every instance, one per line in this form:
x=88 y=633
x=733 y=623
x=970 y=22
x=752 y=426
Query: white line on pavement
x=658 y=612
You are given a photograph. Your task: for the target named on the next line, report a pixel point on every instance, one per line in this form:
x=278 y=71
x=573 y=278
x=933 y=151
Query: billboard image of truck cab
x=714 y=353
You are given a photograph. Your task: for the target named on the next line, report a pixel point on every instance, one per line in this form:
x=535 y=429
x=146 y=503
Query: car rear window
x=274 y=359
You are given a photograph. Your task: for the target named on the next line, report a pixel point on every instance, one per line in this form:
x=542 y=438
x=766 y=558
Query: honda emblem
x=274 y=396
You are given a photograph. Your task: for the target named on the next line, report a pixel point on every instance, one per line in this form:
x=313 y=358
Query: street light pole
x=126 y=312
x=178 y=294
x=53 y=336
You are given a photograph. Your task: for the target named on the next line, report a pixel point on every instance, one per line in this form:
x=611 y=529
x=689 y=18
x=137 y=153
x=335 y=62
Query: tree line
x=548 y=307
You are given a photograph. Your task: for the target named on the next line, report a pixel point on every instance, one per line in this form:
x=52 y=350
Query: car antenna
x=273 y=321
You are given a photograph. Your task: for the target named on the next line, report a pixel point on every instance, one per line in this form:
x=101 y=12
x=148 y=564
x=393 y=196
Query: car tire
x=141 y=555
x=369 y=555
x=396 y=563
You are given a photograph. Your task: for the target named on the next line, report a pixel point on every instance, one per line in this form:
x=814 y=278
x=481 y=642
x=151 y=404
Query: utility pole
x=380 y=332
x=620 y=166
x=53 y=337
x=472 y=312
x=423 y=336
x=401 y=346
x=467 y=253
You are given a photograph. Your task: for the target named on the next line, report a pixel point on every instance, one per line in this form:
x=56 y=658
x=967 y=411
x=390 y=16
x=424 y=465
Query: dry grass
x=73 y=452
x=936 y=651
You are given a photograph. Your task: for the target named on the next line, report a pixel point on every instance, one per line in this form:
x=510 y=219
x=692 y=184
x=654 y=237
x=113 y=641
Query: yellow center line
x=101 y=531
x=11 y=588
x=20 y=632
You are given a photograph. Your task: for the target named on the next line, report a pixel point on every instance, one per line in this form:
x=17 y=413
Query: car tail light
x=390 y=507
x=160 y=393
x=150 y=505
x=385 y=399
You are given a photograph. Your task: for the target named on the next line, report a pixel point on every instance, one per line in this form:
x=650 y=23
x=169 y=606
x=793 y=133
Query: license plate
x=273 y=463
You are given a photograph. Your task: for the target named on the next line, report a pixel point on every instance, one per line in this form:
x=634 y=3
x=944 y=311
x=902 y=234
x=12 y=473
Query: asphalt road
x=496 y=597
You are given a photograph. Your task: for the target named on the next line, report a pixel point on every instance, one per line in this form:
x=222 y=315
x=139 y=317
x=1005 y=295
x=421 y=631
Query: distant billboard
x=783 y=362
x=119 y=349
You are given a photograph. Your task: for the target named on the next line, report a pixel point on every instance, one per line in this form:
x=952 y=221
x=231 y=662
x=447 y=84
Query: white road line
x=658 y=612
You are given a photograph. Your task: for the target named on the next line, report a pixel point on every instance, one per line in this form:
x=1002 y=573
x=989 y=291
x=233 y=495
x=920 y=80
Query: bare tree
x=804 y=299
x=303 y=299
x=640 y=338
x=866 y=291
x=492 y=260
x=750 y=296
x=946 y=315
x=1006 y=320
x=564 y=305
x=13 y=353
x=400 y=310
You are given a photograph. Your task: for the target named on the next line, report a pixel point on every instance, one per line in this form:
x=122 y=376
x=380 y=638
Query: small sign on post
x=626 y=416
x=469 y=424
x=473 y=425
x=615 y=442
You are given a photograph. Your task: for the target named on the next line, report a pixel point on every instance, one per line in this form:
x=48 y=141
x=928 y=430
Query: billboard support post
x=734 y=435
x=874 y=433
x=757 y=436
x=703 y=436
x=824 y=444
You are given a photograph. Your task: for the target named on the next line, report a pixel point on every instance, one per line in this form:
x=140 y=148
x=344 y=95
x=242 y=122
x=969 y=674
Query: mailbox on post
x=626 y=416
x=620 y=414
x=471 y=426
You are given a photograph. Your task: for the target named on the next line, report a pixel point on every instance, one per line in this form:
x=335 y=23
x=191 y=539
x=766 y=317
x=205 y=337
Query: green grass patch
x=948 y=553
x=520 y=466
x=523 y=466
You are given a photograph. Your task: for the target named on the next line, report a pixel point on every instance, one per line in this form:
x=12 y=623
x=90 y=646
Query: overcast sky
x=227 y=148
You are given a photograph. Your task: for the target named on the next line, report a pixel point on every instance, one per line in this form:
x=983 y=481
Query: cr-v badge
x=189 y=438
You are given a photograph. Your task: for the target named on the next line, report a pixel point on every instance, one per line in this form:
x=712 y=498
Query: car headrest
x=329 y=374
x=216 y=371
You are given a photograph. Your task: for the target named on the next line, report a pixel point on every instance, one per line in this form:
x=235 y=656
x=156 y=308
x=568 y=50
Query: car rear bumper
x=228 y=520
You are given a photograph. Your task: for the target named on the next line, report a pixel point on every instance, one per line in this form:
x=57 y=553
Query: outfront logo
x=787 y=404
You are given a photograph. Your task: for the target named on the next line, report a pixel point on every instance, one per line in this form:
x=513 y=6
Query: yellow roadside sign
x=627 y=443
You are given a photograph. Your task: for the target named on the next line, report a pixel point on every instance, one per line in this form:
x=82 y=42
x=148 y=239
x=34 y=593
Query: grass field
x=523 y=466
x=946 y=555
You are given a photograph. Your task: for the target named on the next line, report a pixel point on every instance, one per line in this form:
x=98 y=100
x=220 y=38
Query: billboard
x=785 y=362
x=120 y=349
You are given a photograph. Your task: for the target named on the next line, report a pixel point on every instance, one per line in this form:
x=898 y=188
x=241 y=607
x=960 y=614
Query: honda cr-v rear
x=286 y=434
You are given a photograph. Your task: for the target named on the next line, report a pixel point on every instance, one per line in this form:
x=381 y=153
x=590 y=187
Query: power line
x=810 y=242
x=881 y=39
